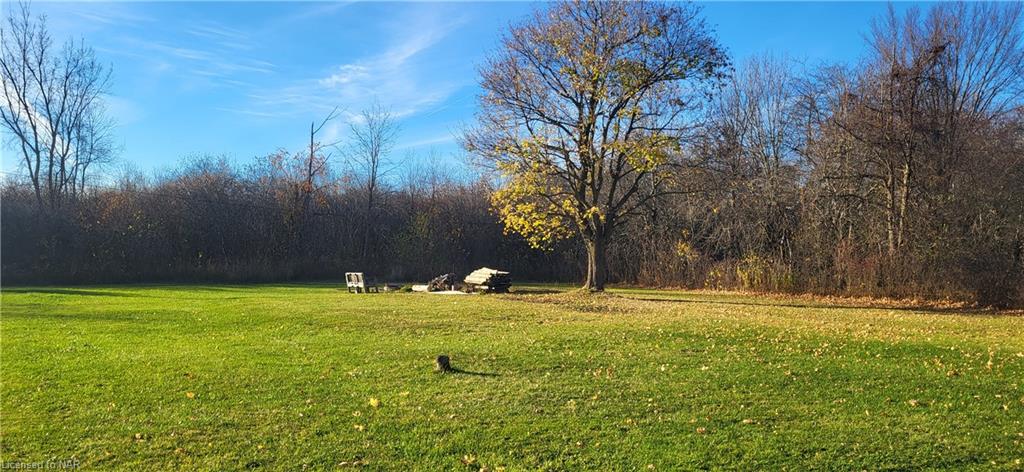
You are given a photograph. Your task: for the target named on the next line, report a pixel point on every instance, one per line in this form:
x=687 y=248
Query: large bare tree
x=373 y=132
x=95 y=147
x=906 y=120
x=583 y=112
x=50 y=100
x=750 y=147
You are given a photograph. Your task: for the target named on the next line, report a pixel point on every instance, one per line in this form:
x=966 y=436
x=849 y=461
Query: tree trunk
x=368 y=227
x=597 y=264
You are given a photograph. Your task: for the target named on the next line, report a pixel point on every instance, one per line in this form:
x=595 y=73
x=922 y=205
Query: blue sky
x=243 y=79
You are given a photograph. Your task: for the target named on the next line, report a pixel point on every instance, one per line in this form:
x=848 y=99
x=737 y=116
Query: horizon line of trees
x=901 y=175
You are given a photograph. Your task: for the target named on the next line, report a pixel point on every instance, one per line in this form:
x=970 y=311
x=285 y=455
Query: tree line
x=614 y=142
x=624 y=126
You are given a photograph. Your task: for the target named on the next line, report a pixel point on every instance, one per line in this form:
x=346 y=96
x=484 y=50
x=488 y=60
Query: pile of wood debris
x=489 y=280
x=441 y=283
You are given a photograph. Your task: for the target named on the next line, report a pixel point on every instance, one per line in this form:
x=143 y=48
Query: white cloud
x=315 y=11
x=346 y=74
x=217 y=31
x=212 y=63
x=394 y=76
x=258 y=114
x=441 y=139
x=111 y=14
x=221 y=36
x=332 y=132
x=123 y=110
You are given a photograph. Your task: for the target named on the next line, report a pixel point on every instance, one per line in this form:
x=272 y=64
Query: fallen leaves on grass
x=374 y=402
x=582 y=302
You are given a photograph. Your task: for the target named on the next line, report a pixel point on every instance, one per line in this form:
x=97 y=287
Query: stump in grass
x=442 y=364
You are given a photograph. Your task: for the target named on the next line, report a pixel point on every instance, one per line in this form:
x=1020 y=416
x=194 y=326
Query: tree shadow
x=922 y=309
x=70 y=291
x=533 y=291
x=135 y=320
x=455 y=370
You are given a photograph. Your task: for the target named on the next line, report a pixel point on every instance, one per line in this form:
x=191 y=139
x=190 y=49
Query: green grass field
x=309 y=376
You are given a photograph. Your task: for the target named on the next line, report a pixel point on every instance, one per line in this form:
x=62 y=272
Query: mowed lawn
x=286 y=377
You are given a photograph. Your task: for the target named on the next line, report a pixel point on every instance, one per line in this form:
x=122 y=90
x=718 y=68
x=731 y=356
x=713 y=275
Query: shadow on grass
x=137 y=320
x=533 y=291
x=923 y=309
x=455 y=370
x=71 y=291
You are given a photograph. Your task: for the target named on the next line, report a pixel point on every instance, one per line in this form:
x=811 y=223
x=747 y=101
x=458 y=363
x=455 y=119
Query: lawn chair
x=356 y=283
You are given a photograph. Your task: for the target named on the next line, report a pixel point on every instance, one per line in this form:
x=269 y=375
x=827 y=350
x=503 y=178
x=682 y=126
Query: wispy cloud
x=223 y=36
x=111 y=16
x=74 y=20
x=246 y=112
x=205 y=61
x=394 y=76
x=314 y=11
x=123 y=110
x=217 y=31
x=441 y=139
x=391 y=61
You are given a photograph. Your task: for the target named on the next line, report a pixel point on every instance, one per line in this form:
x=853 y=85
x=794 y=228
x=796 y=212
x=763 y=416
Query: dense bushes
x=209 y=221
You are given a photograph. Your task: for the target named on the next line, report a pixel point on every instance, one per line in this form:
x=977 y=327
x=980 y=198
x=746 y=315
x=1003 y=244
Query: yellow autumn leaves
x=375 y=403
x=520 y=205
x=536 y=199
x=646 y=153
